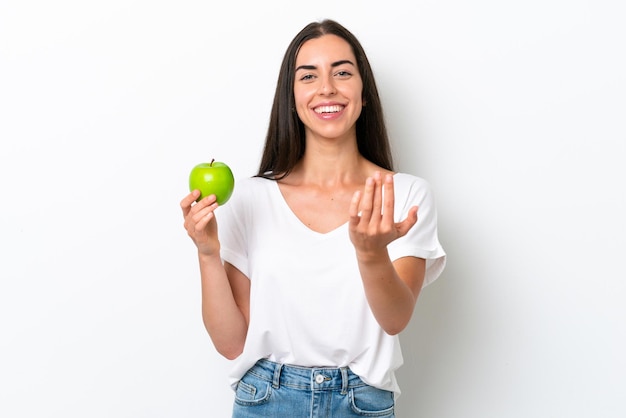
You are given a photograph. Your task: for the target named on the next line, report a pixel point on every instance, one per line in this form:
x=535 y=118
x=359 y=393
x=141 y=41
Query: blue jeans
x=275 y=390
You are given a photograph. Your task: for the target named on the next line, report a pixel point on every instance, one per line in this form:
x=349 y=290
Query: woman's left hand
x=372 y=225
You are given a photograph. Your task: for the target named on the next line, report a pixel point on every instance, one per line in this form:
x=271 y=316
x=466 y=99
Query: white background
x=514 y=111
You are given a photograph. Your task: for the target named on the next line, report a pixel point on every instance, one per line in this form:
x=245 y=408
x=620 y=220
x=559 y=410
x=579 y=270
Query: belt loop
x=344 y=380
x=276 y=382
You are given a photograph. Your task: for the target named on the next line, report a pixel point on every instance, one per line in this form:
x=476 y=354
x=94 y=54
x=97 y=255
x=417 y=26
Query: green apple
x=212 y=178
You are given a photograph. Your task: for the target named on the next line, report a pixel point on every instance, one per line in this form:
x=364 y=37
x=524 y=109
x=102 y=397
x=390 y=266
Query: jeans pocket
x=368 y=401
x=252 y=391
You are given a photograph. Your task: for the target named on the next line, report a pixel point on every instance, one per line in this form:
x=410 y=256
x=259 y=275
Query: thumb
x=410 y=220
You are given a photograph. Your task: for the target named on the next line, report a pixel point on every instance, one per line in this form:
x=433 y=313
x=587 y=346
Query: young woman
x=320 y=258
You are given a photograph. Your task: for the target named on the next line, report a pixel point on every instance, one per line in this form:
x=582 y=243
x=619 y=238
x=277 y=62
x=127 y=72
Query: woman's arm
x=225 y=290
x=225 y=305
x=391 y=288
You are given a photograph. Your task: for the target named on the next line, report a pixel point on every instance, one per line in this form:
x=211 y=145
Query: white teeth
x=328 y=109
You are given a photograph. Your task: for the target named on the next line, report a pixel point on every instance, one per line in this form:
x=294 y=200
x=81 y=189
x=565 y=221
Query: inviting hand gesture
x=372 y=225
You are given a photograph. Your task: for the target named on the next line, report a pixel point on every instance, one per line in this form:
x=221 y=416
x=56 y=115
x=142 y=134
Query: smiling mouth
x=328 y=109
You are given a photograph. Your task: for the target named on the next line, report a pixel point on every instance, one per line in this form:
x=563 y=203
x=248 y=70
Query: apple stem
x=211 y=164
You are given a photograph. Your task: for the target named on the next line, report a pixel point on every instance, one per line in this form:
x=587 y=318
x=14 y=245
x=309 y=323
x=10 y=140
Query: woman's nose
x=327 y=87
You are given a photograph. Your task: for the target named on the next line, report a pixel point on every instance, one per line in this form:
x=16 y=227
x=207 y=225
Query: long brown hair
x=285 y=142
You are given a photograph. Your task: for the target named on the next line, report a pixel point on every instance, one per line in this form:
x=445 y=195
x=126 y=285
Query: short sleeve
x=422 y=240
x=231 y=228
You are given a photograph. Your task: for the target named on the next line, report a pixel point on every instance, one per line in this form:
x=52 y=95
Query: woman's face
x=328 y=88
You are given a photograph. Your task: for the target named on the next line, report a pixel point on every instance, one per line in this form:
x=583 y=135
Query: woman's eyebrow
x=334 y=64
x=341 y=62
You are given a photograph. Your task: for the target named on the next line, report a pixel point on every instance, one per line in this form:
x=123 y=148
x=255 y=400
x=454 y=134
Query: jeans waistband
x=306 y=378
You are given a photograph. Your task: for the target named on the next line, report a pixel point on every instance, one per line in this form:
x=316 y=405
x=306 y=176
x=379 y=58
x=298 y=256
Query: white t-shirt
x=307 y=303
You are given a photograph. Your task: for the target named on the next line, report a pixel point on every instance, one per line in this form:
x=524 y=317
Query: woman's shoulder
x=248 y=192
x=401 y=178
x=250 y=188
x=411 y=187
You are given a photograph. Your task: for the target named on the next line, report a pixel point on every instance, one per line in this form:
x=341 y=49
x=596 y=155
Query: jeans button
x=319 y=379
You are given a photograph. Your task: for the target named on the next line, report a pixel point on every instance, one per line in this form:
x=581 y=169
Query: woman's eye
x=343 y=73
x=306 y=77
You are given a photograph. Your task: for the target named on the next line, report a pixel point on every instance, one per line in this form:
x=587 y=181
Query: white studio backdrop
x=514 y=111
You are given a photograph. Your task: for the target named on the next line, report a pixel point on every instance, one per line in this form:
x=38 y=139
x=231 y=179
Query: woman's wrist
x=373 y=256
x=209 y=258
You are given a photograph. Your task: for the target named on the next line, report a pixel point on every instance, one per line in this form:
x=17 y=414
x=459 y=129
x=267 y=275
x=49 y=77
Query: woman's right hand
x=200 y=222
